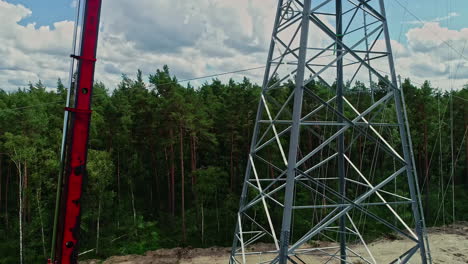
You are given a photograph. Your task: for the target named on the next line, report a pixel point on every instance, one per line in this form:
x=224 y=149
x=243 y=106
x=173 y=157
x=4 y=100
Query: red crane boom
x=65 y=248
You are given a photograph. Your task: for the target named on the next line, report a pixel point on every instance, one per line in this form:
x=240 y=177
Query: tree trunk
x=202 y=224
x=20 y=211
x=193 y=158
x=466 y=146
x=361 y=150
x=42 y=223
x=98 y=226
x=156 y=178
x=169 y=195
x=217 y=211
x=150 y=187
x=171 y=133
x=133 y=204
x=421 y=164
x=426 y=168
x=8 y=176
x=1 y=178
x=27 y=208
x=182 y=174
x=119 y=209
x=231 y=161
x=236 y=169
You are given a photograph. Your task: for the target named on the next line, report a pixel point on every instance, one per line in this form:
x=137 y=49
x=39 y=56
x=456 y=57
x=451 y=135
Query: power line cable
x=215 y=75
x=401 y=26
x=191 y=79
x=466 y=100
x=29 y=106
x=185 y=80
x=222 y=73
x=435 y=34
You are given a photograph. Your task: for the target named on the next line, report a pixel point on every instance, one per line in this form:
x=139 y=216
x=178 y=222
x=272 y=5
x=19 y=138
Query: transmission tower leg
x=405 y=142
x=341 y=145
x=294 y=138
x=248 y=169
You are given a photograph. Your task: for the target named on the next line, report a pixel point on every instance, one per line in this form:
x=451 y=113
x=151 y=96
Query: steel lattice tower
x=331 y=160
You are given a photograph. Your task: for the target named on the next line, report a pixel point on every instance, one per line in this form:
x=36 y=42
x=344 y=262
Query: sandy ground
x=448 y=245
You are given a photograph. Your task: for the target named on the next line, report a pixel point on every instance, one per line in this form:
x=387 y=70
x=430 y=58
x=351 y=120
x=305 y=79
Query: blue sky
x=146 y=34
x=46 y=12
x=426 y=10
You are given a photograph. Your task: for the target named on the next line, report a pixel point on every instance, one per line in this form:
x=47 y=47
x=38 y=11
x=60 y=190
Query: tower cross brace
x=330 y=160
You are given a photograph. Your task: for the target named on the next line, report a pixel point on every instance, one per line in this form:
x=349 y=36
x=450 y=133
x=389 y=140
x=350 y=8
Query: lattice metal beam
x=337 y=155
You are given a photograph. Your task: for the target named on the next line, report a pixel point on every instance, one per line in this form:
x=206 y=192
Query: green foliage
x=145 y=237
x=138 y=129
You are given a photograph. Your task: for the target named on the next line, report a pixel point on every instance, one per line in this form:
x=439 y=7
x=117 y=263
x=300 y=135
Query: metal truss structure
x=332 y=111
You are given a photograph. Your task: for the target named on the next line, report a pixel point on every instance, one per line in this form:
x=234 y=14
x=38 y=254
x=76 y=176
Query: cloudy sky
x=203 y=37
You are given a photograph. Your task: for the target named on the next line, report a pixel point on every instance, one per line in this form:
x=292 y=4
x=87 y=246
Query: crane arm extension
x=67 y=238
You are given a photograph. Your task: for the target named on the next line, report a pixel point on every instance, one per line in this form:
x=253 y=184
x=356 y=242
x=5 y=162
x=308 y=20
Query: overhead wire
x=260 y=67
x=29 y=106
x=451 y=95
x=441 y=181
x=219 y=74
x=435 y=34
x=451 y=177
x=401 y=26
x=181 y=81
x=198 y=78
x=452 y=171
x=464 y=99
x=256 y=68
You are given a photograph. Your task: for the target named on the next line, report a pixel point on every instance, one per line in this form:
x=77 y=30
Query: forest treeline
x=166 y=162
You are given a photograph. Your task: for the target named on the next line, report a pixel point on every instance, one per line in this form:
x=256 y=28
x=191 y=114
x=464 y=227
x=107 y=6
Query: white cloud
x=30 y=53
x=437 y=19
x=194 y=39
x=436 y=54
x=213 y=36
x=199 y=39
x=431 y=52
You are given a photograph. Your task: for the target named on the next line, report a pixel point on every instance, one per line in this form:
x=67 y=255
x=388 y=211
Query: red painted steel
x=77 y=143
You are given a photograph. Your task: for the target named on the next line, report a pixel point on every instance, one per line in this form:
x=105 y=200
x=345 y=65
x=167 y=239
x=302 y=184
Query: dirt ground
x=448 y=245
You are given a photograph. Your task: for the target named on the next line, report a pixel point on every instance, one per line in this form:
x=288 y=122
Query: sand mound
x=448 y=245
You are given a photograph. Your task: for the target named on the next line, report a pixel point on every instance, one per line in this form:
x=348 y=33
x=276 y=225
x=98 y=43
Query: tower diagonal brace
x=299 y=162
